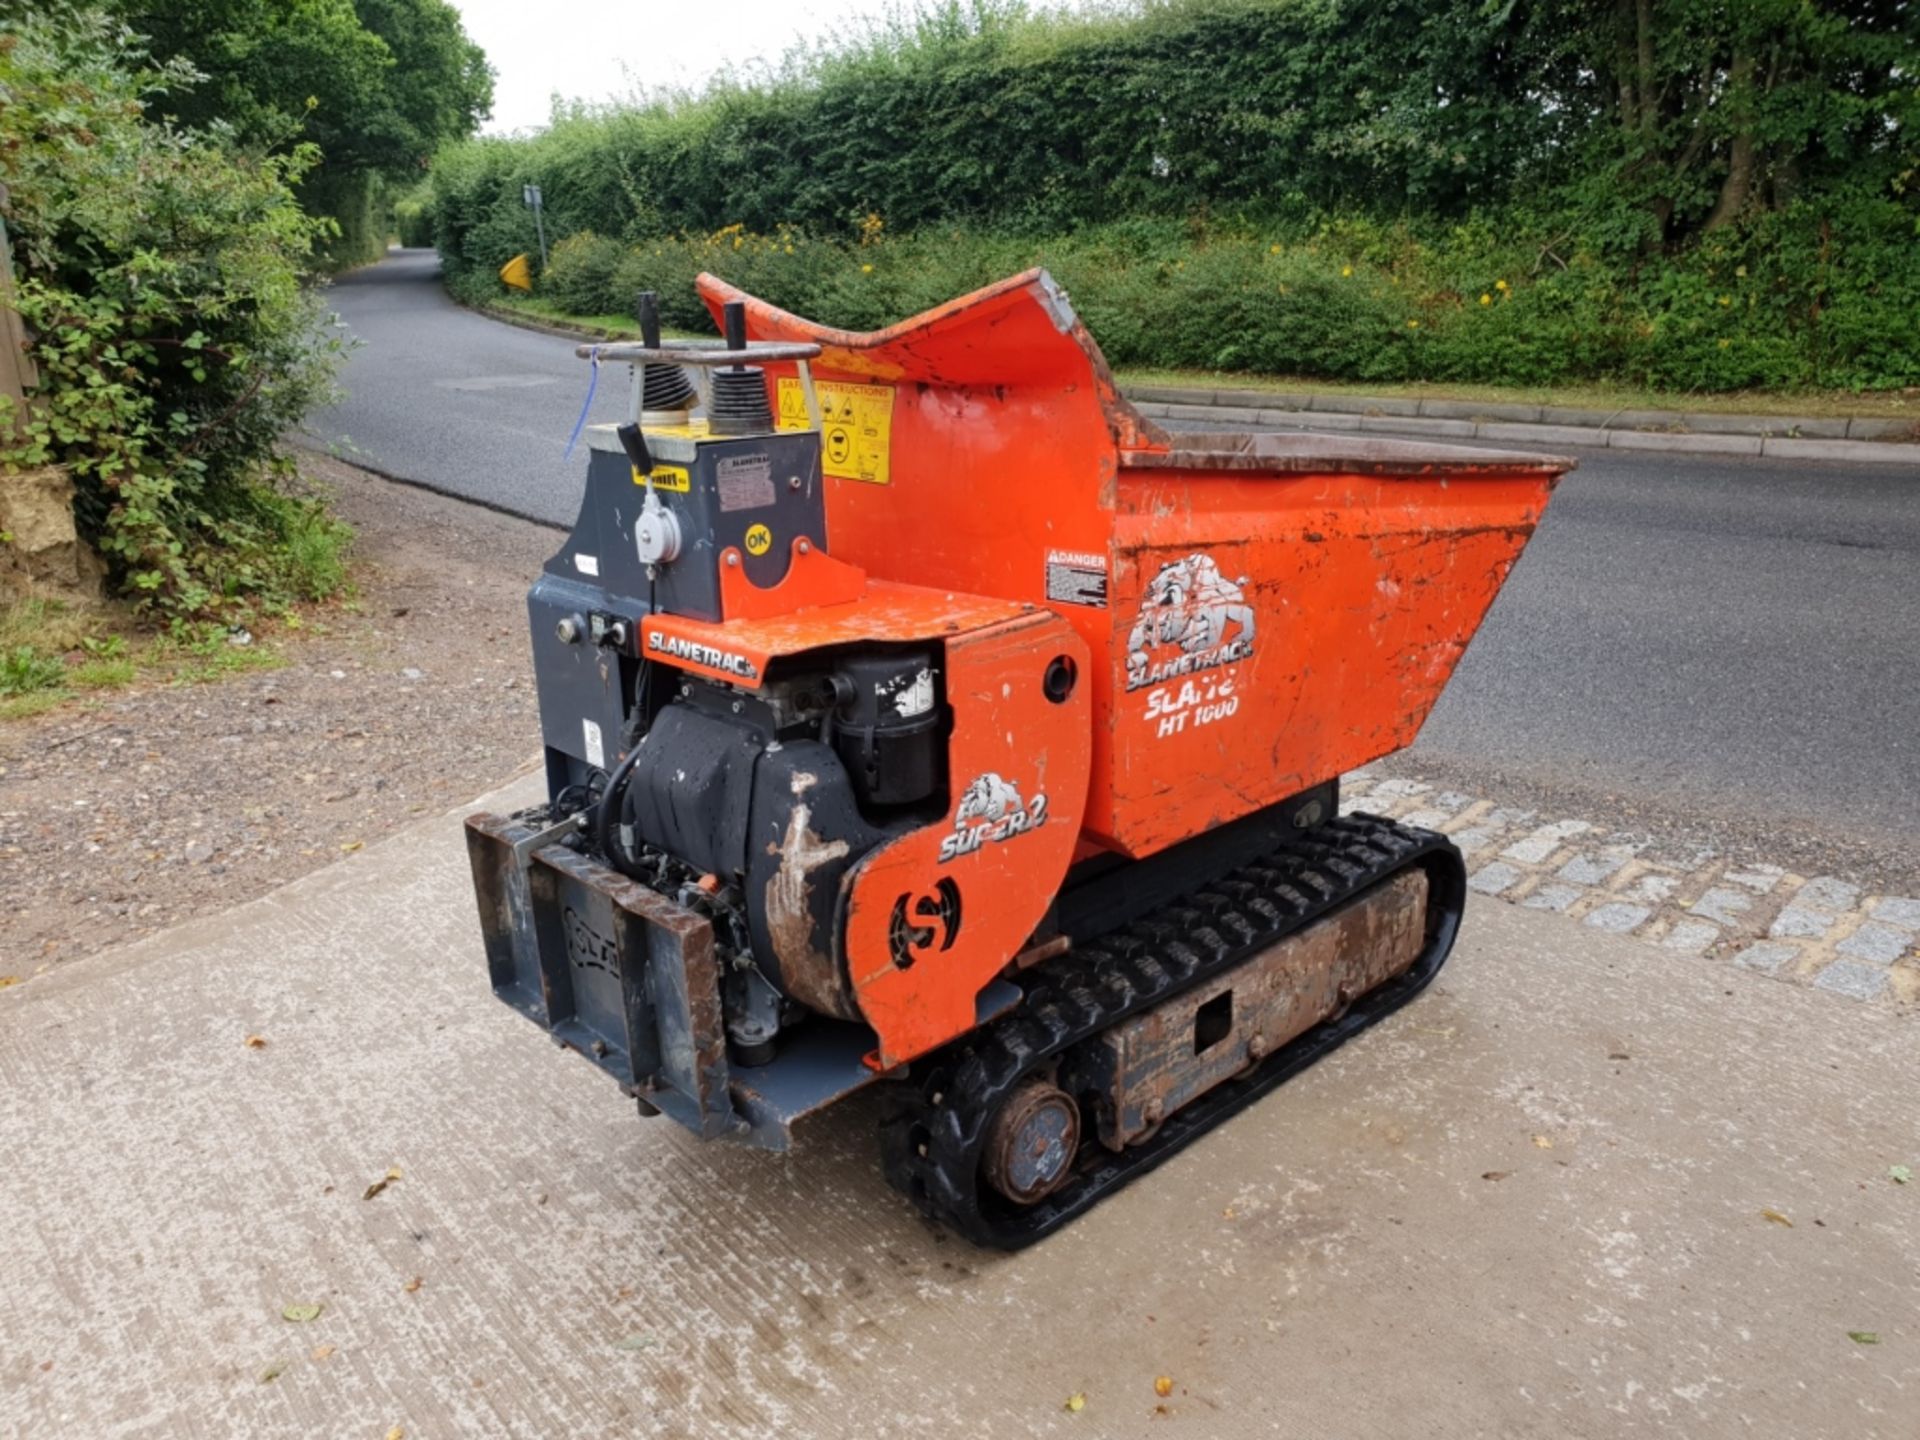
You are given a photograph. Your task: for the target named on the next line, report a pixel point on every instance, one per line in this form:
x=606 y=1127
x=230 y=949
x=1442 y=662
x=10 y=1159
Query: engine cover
x=780 y=820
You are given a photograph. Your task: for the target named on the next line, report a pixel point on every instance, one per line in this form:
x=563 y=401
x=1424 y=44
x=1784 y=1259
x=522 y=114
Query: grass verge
x=52 y=654
x=1892 y=405
x=521 y=307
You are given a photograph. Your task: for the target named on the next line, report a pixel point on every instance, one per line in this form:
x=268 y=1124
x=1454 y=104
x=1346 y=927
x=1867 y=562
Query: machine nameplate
x=856 y=427
x=744 y=482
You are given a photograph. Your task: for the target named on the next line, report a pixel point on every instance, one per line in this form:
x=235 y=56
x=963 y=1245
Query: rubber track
x=932 y=1142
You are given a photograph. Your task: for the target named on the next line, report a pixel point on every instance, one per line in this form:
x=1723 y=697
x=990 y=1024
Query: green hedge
x=162 y=274
x=355 y=201
x=1204 y=174
x=1789 y=303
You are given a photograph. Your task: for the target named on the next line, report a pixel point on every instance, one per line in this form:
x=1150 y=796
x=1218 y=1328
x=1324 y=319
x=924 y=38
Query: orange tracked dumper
x=918 y=714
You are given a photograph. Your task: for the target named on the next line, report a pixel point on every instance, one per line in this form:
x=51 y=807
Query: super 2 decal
x=1195 y=626
x=991 y=810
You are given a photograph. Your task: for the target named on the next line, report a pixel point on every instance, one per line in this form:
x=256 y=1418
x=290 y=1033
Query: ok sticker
x=759 y=539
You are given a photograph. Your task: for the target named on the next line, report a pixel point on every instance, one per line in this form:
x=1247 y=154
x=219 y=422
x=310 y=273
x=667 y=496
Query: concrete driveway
x=1551 y=1198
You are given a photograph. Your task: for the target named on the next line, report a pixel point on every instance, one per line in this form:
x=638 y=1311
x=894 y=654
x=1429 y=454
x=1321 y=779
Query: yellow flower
x=313 y=102
x=1726 y=300
x=1486 y=299
x=1273 y=249
x=1500 y=285
x=1346 y=272
x=789 y=249
x=866 y=269
x=1725 y=343
x=1413 y=324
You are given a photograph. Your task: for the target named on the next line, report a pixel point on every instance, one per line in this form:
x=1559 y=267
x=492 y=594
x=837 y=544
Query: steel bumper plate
x=630 y=979
x=615 y=971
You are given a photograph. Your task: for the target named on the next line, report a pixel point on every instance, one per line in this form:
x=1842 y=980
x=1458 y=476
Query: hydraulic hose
x=609 y=801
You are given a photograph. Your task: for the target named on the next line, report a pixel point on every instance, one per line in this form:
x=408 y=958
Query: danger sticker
x=1077 y=577
x=856 y=427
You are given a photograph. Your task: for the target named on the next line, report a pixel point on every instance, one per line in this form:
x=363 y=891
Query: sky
x=602 y=49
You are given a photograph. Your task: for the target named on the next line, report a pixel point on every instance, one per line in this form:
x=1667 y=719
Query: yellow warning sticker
x=759 y=539
x=856 y=427
x=666 y=477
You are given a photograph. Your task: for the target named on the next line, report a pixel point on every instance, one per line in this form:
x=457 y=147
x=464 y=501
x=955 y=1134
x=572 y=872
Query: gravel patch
x=152 y=805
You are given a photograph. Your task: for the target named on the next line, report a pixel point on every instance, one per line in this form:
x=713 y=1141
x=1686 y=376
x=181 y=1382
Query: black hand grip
x=734 y=320
x=649 y=308
x=635 y=444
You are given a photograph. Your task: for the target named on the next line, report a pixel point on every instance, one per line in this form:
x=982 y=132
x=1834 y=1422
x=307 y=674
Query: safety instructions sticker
x=1077 y=577
x=856 y=427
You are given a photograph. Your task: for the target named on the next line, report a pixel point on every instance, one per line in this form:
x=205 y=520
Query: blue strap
x=593 y=383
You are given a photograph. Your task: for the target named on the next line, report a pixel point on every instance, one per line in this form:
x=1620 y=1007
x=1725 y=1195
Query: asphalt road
x=1727 y=649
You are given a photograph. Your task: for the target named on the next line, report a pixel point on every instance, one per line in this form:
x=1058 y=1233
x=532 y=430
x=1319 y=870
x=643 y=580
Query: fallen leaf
x=1900 y=1174
x=6 y=980
x=1542 y=1142
x=411 y=1285
x=321 y=1352
x=1496 y=1174
x=397 y=1433
x=299 y=1314
x=1619 y=1055
x=1076 y=1402
x=1163 y=1386
x=1864 y=1337
x=1776 y=1217
x=256 y=1042
x=352 y=845
x=272 y=1372
x=635 y=1341
x=625 y=1292
x=393 y=1174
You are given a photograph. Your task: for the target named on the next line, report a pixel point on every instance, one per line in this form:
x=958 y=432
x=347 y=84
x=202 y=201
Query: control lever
x=635 y=444
x=656 y=533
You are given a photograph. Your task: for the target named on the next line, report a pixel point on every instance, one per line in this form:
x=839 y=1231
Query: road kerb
x=1685 y=444
x=1872 y=452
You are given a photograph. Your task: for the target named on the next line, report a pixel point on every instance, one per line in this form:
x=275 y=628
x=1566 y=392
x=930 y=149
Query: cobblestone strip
x=1820 y=930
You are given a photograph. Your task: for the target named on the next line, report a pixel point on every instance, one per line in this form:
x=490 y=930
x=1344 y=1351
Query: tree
x=378 y=85
x=439 y=87
x=1708 y=110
